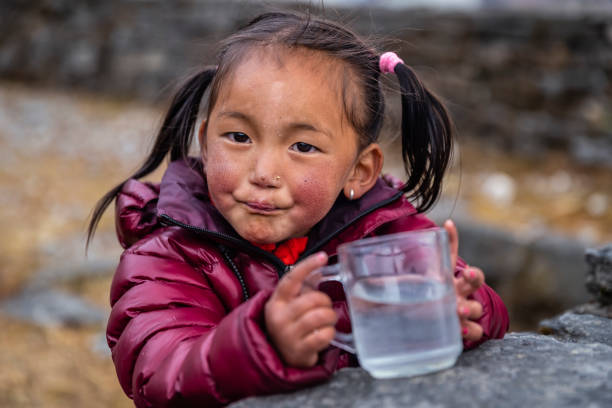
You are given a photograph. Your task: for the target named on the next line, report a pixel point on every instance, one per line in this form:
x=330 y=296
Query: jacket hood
x=183 y=197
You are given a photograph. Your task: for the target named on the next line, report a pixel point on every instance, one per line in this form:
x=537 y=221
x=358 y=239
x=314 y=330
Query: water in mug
x=406 y=325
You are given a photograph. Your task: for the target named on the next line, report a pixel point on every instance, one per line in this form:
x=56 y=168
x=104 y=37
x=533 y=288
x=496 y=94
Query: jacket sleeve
x=494 y=320
x=135 y=211
x=174 y=344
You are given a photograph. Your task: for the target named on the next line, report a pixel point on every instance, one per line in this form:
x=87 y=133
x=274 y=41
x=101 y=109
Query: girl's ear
x=365 y=172
x=202 y=141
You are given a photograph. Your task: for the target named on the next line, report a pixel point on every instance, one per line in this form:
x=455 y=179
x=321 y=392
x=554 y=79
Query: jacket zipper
x=280 y=266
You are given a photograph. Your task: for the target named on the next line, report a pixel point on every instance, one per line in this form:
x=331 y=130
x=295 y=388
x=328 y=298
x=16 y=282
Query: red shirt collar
x=288 y=251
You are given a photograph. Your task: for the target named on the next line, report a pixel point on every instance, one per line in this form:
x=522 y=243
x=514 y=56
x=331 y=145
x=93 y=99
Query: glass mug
x=402 y=302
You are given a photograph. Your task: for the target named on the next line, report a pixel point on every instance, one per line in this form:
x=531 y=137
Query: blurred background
x=83 y=85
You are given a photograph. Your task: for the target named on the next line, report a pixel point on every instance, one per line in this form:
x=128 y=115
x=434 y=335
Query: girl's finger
x=471 y=330
x=453 y=241
x=474 y=276
x=306 y=353
x=314 y=320
x=469 y=309
x=469 y=281
x=308 y=301
x=290 y=285
x=462 y=287
x=319 y=339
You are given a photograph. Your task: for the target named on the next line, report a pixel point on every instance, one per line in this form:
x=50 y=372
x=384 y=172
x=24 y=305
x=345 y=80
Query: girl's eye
x=303 y=147
x=238 y=137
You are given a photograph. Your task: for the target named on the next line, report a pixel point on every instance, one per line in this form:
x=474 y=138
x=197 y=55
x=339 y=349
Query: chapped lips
x=264 y=207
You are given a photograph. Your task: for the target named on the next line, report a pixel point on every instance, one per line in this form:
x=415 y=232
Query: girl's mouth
x=261 y=208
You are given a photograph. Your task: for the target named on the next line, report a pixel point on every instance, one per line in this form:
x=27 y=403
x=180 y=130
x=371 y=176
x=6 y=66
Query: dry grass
x=54 y=367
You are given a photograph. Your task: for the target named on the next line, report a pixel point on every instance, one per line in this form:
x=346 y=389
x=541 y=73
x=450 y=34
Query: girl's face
x=277 y=147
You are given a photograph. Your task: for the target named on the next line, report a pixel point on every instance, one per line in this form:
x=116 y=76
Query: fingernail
x=321 y=256
x=464 y=331
x=465 y=311
x=472 y=274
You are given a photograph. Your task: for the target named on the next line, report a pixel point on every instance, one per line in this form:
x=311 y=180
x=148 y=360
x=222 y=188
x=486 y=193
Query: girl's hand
x=300 y=325
x=466 y=284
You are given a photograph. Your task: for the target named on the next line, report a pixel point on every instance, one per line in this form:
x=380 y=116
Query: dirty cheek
x=219 y=172
x=316 y=192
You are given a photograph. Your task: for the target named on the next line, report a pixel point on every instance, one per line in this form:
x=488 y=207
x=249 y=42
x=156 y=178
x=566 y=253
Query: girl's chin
x=259 y=236
x=262 y=239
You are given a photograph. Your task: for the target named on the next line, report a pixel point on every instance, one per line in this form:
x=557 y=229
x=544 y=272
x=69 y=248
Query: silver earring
x=351 y=194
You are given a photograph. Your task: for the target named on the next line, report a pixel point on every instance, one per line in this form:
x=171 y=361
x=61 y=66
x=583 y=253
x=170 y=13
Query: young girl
x=206 y=308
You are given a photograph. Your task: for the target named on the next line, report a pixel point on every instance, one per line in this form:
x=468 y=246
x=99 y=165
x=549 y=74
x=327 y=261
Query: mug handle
x=344 y=341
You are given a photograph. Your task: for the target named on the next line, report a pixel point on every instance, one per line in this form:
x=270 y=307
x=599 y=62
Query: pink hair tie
x=388 y=61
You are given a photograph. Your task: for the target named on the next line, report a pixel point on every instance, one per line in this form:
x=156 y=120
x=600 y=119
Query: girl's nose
x=271 y=181
x=267 y=180
x=265 y=174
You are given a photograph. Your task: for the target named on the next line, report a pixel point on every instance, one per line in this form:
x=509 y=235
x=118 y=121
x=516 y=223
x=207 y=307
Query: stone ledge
x=579 y=328
x=522 y=370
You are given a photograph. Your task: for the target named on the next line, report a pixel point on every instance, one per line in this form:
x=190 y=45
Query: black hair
x=426 y=127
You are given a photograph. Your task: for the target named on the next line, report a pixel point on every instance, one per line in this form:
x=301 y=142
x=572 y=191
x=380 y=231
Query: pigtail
x=175 y=136
x=426 y=139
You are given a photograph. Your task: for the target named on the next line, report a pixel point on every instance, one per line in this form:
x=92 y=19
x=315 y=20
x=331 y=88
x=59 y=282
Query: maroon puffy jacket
x=187 y=323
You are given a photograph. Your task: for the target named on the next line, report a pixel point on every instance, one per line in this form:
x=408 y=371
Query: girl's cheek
x=316 y=191
x=219 y=172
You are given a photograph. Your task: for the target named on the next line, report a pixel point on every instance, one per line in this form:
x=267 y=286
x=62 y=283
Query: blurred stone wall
x=523 y=82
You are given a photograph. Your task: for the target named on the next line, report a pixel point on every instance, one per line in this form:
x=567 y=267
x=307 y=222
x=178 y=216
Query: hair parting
x=175 y=136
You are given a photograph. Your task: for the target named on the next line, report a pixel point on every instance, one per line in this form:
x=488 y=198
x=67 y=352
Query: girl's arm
x=173 y=341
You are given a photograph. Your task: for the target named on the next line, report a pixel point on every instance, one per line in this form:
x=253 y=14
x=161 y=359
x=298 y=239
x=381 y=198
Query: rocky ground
x=60 y=151
x=523 y=369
